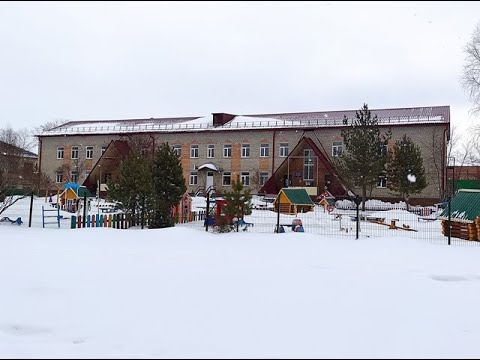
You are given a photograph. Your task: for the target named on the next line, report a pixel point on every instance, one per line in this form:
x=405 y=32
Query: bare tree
x=143 y=144
x=18 y=172
x=433 y=156
x=471 y=69
x=50 y=125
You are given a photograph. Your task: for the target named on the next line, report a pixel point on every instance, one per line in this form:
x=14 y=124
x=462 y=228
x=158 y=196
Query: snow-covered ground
x=180 y=292
x=340 y=222
x=22 y=208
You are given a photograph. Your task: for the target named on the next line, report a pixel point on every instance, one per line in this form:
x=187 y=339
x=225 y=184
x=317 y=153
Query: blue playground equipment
x=45 y=215
x=6 y=218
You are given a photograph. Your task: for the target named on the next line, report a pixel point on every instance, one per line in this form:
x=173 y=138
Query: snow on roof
x=208 y=166
x=421 y=115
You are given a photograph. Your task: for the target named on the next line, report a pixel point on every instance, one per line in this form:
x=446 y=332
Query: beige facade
x=250 y=153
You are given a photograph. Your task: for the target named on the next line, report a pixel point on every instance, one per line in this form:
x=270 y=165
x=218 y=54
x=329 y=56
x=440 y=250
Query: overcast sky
x=140 y=60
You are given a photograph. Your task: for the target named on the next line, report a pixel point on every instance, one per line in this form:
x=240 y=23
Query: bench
x=426 y=218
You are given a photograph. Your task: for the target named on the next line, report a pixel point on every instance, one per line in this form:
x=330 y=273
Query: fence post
x=73 y=224
x=31 y=209
x=84 y=211
x=143 y=212
x=449 y=221
x=278 y=215
x=357 y=203
x=207 y=211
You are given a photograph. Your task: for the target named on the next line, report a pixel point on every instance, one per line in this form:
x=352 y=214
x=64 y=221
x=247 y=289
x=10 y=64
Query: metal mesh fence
x=378 y=220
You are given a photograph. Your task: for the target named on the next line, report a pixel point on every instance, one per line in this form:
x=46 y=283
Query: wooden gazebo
x=465 y=215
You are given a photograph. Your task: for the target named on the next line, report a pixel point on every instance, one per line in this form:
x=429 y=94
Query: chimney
x=220 y=119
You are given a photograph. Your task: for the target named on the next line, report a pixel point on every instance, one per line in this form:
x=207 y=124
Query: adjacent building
x=18 y=169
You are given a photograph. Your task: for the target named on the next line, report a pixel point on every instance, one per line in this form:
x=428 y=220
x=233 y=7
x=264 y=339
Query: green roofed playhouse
x=465 y=215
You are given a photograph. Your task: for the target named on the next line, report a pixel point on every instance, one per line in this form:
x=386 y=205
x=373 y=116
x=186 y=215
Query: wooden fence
x=122 y=221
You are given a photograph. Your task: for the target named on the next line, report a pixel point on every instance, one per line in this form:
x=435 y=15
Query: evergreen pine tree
x=133 y=184
x=363 y=159
x=405 y=170
x=169 y=186
x=238 y=203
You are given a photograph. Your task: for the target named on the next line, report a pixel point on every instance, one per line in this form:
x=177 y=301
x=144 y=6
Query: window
x=227 y=178
x=210 y=151
x=59 y=177
x=337 y=148
x=245 y=150
x=193 y=178
x=60 y=152
x=245 y=178
x=283 y=150
x=263 y=178
x=308 y=164
x=74 y=152
x=104 y=147
x=74 y=176
x=227 y=151
x=383 y=150
x=193 y=151
x=264 y=150
x=177 y=149
x=87 y=173
x=89 y=152
x=382 y=182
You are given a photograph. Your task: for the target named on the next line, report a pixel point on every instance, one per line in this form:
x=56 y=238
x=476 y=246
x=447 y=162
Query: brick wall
x=424 y=136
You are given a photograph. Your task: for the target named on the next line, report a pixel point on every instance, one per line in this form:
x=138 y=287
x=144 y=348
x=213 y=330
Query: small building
x=465 y=215
x=71 y=195
x=294 y=201
x=184 y=208
x=326 y=200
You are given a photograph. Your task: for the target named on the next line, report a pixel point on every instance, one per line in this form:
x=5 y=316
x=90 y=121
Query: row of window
x=227 y=178
x=337 y=149
x=263 y=177
x=73 y=176
x=74 y=152
x=227 y=150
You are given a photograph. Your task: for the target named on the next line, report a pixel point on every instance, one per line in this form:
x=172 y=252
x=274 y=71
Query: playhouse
x=71 y=196
x=183 y=209
x=465 y=215
x=293 y=201
x=326 y=200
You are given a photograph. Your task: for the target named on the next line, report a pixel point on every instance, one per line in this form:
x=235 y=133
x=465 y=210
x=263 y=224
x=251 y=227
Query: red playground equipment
x=218 y=217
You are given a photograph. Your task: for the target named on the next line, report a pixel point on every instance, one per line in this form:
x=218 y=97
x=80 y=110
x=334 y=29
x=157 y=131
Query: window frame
x=62 y=150
x=74 y=149
x=337 y=145
x=87 y=149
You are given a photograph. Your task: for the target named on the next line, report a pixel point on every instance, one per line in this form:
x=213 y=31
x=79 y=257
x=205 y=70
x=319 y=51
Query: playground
x=384 y=220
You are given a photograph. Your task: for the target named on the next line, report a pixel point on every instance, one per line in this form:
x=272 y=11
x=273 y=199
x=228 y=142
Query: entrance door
x=209 y=182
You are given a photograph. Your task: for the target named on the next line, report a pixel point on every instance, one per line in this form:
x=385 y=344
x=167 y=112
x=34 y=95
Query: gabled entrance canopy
x=325 y=176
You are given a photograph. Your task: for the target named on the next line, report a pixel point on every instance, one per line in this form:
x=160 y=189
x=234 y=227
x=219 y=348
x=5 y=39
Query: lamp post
x=451 y=166
x=98 y=191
